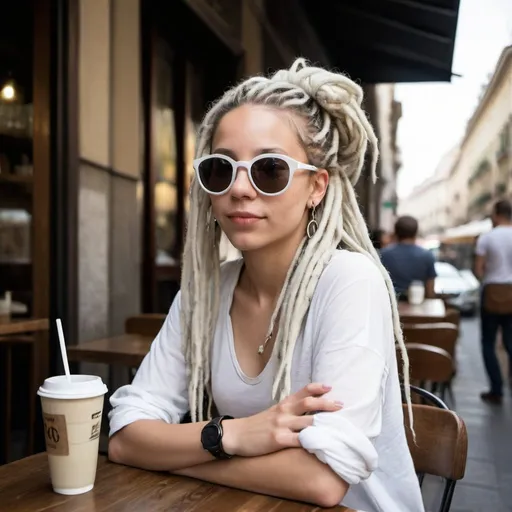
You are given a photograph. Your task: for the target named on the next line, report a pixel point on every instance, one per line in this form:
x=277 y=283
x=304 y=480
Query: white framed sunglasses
x=270 y=173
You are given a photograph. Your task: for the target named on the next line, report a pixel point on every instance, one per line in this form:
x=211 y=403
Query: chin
x=245 y=242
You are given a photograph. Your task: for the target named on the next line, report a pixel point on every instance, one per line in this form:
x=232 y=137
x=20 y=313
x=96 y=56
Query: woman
x=278 y=339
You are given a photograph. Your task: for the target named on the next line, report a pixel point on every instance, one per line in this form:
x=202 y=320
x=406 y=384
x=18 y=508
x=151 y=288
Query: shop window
x=164 y=150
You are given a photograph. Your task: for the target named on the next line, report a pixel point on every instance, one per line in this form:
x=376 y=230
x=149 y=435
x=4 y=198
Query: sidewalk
x=487 y=485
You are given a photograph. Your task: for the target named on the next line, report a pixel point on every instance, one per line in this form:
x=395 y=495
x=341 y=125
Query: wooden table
x=25 y=487
x=127 y=349
x=431 y=309
x=19 y=326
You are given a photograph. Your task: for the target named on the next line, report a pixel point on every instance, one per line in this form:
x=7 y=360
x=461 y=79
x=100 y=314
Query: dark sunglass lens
x=215 y=174
x=270 y=175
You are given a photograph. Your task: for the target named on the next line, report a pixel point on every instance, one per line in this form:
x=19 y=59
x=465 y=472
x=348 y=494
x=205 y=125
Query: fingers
x=312 y=389
x=312 y=404
x=288 y=439
x=298 y=423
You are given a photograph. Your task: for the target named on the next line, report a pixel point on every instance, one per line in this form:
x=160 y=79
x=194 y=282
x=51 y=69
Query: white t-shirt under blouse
x=346 y=342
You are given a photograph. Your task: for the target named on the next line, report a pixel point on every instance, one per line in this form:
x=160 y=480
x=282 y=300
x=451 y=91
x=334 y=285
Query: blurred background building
x=430 y=202
x=470 y=178
x=482 y=174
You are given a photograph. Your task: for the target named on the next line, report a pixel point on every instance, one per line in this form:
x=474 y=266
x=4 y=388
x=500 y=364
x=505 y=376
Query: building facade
x=482 y=173
x=429 y=202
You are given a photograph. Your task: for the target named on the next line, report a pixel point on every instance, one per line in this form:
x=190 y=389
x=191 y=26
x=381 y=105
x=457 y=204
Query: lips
x=243 y=215
x=243 y=218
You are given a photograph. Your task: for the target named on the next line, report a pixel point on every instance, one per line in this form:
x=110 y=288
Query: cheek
x=217 y=207
x=289 y=208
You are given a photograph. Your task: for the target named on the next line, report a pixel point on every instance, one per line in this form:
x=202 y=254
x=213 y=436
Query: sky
x=435 y=114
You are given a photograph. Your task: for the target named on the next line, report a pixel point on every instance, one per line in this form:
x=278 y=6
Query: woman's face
x=251 y=220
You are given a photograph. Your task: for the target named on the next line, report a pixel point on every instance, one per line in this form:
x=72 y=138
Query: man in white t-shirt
x=493 y=265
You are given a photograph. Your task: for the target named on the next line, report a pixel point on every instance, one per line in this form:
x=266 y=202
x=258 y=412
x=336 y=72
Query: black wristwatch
x=211 y=437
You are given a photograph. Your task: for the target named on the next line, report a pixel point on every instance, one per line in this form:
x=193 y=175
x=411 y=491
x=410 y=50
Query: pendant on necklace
x=261 y=348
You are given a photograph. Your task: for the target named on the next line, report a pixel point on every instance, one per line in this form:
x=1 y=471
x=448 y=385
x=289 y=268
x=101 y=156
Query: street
x=487 y=485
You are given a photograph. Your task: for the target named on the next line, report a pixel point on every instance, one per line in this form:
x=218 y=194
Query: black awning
x=378 y=41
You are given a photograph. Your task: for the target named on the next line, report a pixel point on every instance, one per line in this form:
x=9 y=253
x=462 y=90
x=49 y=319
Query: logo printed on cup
x=95 y=431
x=56 y=434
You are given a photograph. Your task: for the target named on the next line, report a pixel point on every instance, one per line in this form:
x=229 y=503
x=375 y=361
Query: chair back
x=427 y=363
x=145 y=325
x=441 y=334
x=441 y=444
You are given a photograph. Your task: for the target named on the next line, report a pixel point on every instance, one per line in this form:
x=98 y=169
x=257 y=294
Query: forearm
x=430 y=289
x=292 y=474
x=158 y=446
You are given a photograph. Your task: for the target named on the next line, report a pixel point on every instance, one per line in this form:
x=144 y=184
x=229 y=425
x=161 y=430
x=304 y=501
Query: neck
x=265 y=269
x=503 y=222
x=410 y=241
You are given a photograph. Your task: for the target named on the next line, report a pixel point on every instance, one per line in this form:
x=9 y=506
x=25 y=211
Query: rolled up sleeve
x=354 y=342
x=159 y=389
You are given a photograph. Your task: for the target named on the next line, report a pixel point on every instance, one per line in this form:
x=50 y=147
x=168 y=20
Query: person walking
x=493 y=266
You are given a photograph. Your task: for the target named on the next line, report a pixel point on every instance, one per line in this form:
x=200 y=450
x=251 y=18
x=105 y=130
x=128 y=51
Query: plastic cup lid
x=81 y=386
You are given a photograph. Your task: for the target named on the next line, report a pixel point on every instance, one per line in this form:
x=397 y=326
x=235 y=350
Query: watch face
x=210 y=436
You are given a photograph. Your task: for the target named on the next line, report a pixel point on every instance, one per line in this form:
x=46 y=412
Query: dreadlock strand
x=291 y=313
x=325 y=247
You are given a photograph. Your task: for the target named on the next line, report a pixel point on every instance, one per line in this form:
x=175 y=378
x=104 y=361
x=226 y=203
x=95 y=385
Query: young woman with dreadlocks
x=285 y=358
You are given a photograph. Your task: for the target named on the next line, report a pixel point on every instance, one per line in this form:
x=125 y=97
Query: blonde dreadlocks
x=336 y=138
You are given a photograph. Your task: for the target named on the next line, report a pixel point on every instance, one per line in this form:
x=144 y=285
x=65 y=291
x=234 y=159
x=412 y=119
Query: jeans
x=490 y=323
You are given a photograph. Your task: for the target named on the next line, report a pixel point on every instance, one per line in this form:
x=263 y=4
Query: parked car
x=460 y=288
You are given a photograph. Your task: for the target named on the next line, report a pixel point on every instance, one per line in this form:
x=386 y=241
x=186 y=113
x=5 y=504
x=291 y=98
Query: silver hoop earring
x=312 y=224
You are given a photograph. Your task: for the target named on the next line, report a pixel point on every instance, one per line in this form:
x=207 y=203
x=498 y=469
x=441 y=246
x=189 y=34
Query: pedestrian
x=493 y=266
x=407 y=262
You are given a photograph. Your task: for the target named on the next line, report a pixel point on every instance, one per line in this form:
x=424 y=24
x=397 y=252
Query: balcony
x=479 y=206
x=481 y=170
x=500 y=189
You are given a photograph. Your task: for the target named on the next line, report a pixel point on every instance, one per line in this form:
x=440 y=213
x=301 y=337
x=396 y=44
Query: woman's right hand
x=277 y=427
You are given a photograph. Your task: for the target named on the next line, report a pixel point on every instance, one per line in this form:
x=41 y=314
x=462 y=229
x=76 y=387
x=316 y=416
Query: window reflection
x=15 y=226
x=166 y=193
x=195 y=111
x=190 y=150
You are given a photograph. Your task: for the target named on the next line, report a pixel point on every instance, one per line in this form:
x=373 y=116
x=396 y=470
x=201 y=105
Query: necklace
x=262 y=347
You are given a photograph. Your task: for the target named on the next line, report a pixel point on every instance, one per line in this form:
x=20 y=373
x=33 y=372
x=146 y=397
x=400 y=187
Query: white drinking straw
x=63 y=352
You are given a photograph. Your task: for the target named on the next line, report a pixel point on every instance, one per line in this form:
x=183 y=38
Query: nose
x=242 y=186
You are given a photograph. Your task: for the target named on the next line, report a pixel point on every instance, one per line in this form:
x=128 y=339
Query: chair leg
x=8 y=403
x=32 y=399
x=446 y=502
x=451 y=395
x=442 y=391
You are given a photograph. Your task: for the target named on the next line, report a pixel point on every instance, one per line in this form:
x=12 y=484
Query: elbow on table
x=115 y=451
x=329 y=490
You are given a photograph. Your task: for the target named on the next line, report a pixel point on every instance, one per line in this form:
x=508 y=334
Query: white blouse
x=346 y=342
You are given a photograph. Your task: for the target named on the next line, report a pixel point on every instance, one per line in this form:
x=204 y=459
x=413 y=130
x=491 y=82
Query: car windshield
x=446 y=270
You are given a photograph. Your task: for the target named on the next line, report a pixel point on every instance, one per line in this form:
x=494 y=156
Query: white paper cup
x=72 y=414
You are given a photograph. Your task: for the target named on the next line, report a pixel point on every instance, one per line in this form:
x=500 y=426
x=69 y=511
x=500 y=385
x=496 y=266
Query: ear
x=319 y=182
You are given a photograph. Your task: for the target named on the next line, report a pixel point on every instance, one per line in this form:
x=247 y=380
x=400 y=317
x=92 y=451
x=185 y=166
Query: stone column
x=110 y=165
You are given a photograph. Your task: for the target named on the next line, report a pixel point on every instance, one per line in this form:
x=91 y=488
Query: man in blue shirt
x=407 y=262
